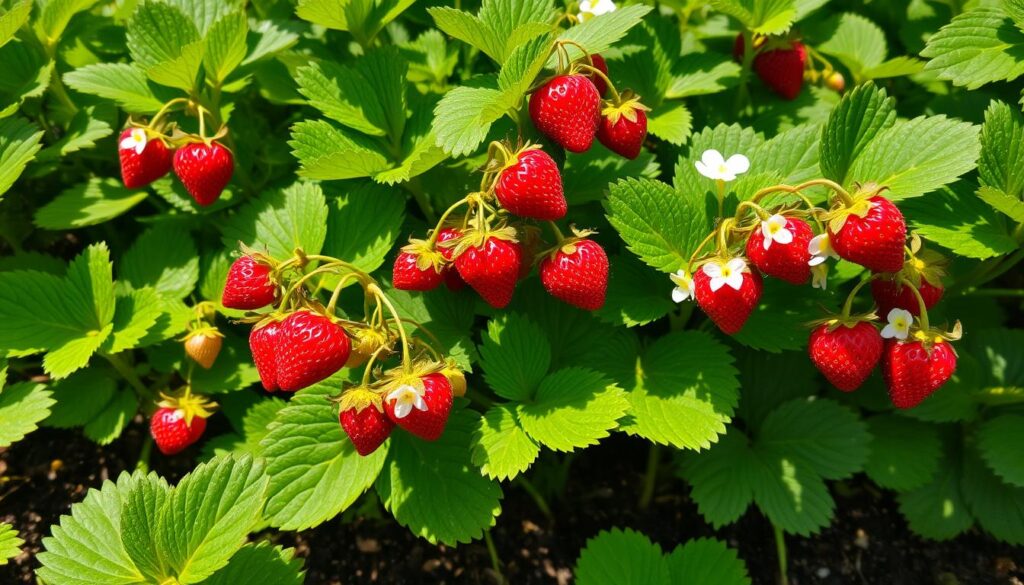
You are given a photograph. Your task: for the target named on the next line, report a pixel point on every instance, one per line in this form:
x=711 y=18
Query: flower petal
x=127 y=143
x=679 y=295
x=737 y=265
x=712 y=269
x=815 y=245
x=705 y=170
x=738 y=164
x=816 y=260
x=783 y=236
x=712 y=158
x=419 y=403
x=717 y=283
x=402 y=409
x=735 y=280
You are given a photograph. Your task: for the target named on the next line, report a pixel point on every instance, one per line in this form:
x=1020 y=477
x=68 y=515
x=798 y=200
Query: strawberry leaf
x=225 y=45
x=793 y=154
x=327 y=152
x=343 y=95
x=707 y=560
x=80 y=397
x=904 y=453
x=280 y=221
x=818 y=435
x=998 y=506
x=684 y=393
x=515 y=356
x=960 y=221
x=445 y=316
x=1001 y=446
x=142 y=505
x=599 y=33
x=979 y=46
x=765 y=17
x=11 y=20
x=856 y=42
x=19 y=143
x=1001 y=165
x=135 y=313
x=573 y=408
x=622 y=557
x=27 y=70
x=860 y=116
x=501 y=448
x=56 y=14
x=636 y=295
x=464 y=116
x=93 y=202
x=107 y=425
x=364 y=224
x=163 y=257
x=315 y=472
x=586 y=176
x=702 y=74
x=433 y=488
x=22 y=407
x=166 y=43
x=256 y=564
x=121 y=82
x=10 y=544
x=938 y=510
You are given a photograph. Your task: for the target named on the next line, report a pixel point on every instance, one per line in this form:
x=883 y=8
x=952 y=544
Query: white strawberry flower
x=820 y=249
x=684 y=286
x=819 y=276
x=136 y=140
x=715 y=166
x=592 y=8
x=774 y=230
x=899 y=324
x=406 y=398
x=729 y=273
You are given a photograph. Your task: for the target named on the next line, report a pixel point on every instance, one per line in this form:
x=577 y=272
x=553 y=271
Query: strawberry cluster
x=301 y=341
x=783 y=64
x=865 y=228
x=490 y=246
x=148 y=152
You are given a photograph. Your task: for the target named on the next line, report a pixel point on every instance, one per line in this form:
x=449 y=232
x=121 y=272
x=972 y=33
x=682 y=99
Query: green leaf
x=515 y=22
x=208 y=515
x=135 y=313
x=586 y=176
x=856 y=42
x=897 y=67
x=671 y=122
x=515 y=356
x=1001 y=165
x=464 y=116
x=163 y=257
x=998 y=506
x=19 y=143
x=599 y=33
x=573 y=408
x=140 y=511
x=523 y=66
x=860 y=116
x=468 y=29
x=728 y=140
x=445 y=316
x=706 y=560
x=364 y=224
x=121 y=82
x=3 y=372
x=501 y=448
x=205 y=13
x=80 y=397
x=778 y=323
x=660 y=225
x=90 y=203
x=765 y=17
x=27 y=73
x=106 y=426
x=232 y=371
x=166 y=43
x=904 y=453
x=685 y=392
x=769 y=380
x=918 y=156
x=792 y=496
x=960 y=221
x=1000 y=201
x=723 y=479
x=793 y=153
x=433 y=488
x=22 y=407
x=622 y=557
x=10 y=544
x=636 y=294
x=267 y=39
x=979 y=46
x=327 y=13
x=86 y=127
x=256 y=564
x=937 y=510
x=828 y=438
x=225 y=46
x=315 y=472
x=702 y=74
x=86 y=546
x=280 y=221
x=56 y=14
x=384 y=71
x=1002 y=447
x=327 y=153
x=343 y=95
x=11 y=20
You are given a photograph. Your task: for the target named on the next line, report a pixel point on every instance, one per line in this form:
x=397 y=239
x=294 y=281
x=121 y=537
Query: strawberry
x=363 y=419
x=624 y=135
x=889 y=294
x=248 y=286
x=780 y=65
x=836 y=82
x=728 y=292
x=310 y=347
x=577 y=273
x=601 y=65
x=913 y=370
x=452 y=280
x=779 y=248
x=263 y=344
x=203 y=346
x=872 y=234
x=204 y=169
x=172 y=433
x=531 y=186
x=456 y=378
x=144 y=158
x=491 y=268
x=567 y=109
x=845 y=352
x=420 y=406
x=416 y=271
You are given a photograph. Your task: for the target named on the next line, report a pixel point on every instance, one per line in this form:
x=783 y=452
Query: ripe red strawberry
x=780 y=65
x=577 y=273
x=567 y=110
x=492 y=269
x=452 y=280
x=422 y=412
x=248 y=286
x=532 y=187
x=171 y=433
x=144 y=159
x=845 y=355
x=408 y=275
x=601 y=65
x=913 y=372
x=788 y=262
x=890 y=294
x=263 y=344
x=362 y=417
x=204 y=170
x=729 y=306
x=310 y=347
x=874 y=241
x=623 y=133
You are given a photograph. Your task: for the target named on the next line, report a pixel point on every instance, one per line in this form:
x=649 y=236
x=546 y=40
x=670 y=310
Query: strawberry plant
x=293 y=271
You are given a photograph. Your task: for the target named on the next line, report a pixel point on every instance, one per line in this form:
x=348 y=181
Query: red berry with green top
x=778 y=248
x=875 y=241
x=577 y=274
x=567 y=109
x=367 y=428
x=408 y=275
x=532 y=187
x=845 y=355
x=421 y=409
x=310 y=348
x=728 y=291
x=204 y=170
x=248 y=285
x=492 y=269
x=172 y=433
x=913 y=371
x=144 y=158
x=263 y=341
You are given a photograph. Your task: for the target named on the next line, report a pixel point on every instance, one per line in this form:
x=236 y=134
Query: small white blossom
x=774 y=230
x=684 y=286
x=136 y=141
x=714 y=166
x=899 y=324
x=406 y=398
x=592 y=8
x=820 y=249
x=819 y=276
x=730 y=273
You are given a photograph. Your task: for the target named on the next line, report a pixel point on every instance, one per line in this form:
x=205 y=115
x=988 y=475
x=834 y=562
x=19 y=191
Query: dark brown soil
x=868 y=543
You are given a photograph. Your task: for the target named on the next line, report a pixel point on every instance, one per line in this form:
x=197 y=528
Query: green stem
x=780 y=548
x=650 y=477
x=848 y=305
x=493 y=552
x=748 y=61
x=995 y=292
x=538 y=499
x=720 y=185
x=922 y=308
x=147 y=448
x=415 y=186
x=126 y=371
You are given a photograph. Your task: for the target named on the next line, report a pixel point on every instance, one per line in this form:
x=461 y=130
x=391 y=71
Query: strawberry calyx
x=426 y=253
x=857 y=203
x=929 y=337
x=925 y=264
x=835 y=321
x=475 y=237
x=190 y=405
x=203 y=331
x=359 y=399
x=567 y=245
x=624 y=105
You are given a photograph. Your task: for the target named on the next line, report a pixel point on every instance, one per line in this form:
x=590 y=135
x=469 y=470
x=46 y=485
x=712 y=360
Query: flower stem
x=493 y=552
x=376 y=291
x=848 y=305
x=780 y=549
x=720 y=188
x=920 y=302
x=538 y=499
x=147 y=447
x=650 y=477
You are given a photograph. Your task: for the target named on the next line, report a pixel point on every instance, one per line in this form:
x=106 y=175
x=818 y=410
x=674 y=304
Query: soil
x=867 y=543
